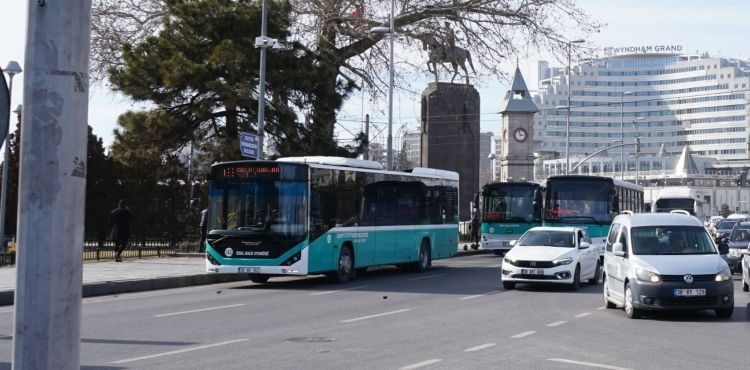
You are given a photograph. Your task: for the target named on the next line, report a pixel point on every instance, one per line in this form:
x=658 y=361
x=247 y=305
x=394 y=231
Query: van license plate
x=689 y=292
x=532 y=272
x=252 y=270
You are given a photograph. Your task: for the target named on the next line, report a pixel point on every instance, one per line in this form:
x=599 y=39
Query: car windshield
x=726 y=224
x=672 y=240
x=548 y=238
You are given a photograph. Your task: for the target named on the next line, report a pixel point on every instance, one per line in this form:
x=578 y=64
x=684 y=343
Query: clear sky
x=719 y=27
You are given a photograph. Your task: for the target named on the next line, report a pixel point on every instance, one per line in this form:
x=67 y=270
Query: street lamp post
x=391 y=32
x=637 y=149
x=11 y=69
x=622 y=130
x=492 y=157
x=567 y=112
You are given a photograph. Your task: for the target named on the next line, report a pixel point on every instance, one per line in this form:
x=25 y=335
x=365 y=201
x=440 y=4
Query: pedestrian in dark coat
x=119 y=220
x=474 y=228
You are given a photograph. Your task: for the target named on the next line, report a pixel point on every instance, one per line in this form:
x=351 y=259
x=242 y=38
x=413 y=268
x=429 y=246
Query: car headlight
x=563 y=261
x=735 y=252
x=509 y=261
x=724 y=275
x=648 y=276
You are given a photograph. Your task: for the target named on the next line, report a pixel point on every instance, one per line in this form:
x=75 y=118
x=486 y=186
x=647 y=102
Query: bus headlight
x=648 y=276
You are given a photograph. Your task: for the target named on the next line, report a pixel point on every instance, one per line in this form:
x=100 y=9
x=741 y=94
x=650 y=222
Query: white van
x=665 y=261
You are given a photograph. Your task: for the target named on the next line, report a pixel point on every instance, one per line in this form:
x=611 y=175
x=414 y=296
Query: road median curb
x=141 y=285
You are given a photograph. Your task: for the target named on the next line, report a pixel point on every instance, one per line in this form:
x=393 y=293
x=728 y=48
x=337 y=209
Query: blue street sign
x=248 y=145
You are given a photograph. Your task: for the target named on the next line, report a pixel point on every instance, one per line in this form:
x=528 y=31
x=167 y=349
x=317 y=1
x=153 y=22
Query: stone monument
x=517 y=109
x=450 y=136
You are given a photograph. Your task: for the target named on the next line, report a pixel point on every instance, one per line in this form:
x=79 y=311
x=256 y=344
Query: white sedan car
x=560 y=255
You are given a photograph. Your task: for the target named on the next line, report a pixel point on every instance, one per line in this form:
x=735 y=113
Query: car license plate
x=689 y=292
x=532 y=272
x=252 y=270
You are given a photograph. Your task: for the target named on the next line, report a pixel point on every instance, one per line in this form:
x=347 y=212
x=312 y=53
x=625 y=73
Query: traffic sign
x=249 y=145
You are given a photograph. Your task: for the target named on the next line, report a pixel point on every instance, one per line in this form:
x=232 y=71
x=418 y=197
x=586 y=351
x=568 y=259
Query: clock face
x=520 y=135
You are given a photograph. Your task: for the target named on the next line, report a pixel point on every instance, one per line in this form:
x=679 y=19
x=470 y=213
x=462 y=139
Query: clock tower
x=517 y=155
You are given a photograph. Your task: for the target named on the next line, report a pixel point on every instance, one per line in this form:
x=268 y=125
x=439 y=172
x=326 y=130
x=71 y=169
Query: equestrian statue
x=445 y=52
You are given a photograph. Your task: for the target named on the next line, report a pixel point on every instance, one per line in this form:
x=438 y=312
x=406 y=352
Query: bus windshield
x=509 y=203
x=259 y=207
x=670 y=204
x=578 y=201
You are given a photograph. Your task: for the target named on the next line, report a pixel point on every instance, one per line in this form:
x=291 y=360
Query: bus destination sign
x=251 y=172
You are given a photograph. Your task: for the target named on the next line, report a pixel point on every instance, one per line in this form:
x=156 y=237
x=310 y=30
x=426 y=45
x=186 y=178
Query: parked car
x=665 y=261
x=738 y=241
x=560 y=255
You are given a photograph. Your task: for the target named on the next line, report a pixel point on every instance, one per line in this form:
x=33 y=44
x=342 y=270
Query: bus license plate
x=532 y=272
x=252 y=270
x=689 y=292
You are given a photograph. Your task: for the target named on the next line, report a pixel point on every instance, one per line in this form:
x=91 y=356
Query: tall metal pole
x=52 y=188
x=622 y=133
x=567 y=121
x=366 y=154
x=6 y=164
x=262 y=81
x=390 y=90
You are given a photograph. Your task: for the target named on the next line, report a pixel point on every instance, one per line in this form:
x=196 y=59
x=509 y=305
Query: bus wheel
x=345 y=269
x=425 y=257
x=259 y=279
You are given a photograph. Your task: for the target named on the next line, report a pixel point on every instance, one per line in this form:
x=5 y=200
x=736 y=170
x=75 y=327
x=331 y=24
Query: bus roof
x=624 y=184
x=335 y=161
x=372 y=166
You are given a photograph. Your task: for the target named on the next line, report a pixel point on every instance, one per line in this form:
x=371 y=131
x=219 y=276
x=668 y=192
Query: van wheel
x=576 y=279
x=630 y=310
x=607 y=303
x=595 y=280
x=259 y=279
x=345 y=269
x=724 y=313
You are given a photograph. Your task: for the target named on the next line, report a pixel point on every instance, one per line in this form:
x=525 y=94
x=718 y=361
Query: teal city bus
x=327 y=215
x=590 y=202
x=508 y=210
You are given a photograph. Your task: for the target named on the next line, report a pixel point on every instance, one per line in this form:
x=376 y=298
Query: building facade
x=667 y=99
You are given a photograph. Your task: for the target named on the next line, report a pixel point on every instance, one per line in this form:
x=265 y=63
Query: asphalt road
x=455 y=316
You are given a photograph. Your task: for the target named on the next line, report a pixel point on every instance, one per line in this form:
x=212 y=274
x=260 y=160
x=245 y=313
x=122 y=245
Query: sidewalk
x=136 y=275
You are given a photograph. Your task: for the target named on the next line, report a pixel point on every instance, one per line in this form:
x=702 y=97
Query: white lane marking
x=180 y=351
x=591 y=364
x=471 y=297
x=480 y=347
x=421 y=364
x=583 y=314
x=493 y=266
x=428 y=277
x=6 y=311
x=524 y=334
x=556 y=323
x=374 y=316
x=601 y=308
x=199 y=310
x=340 y=290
